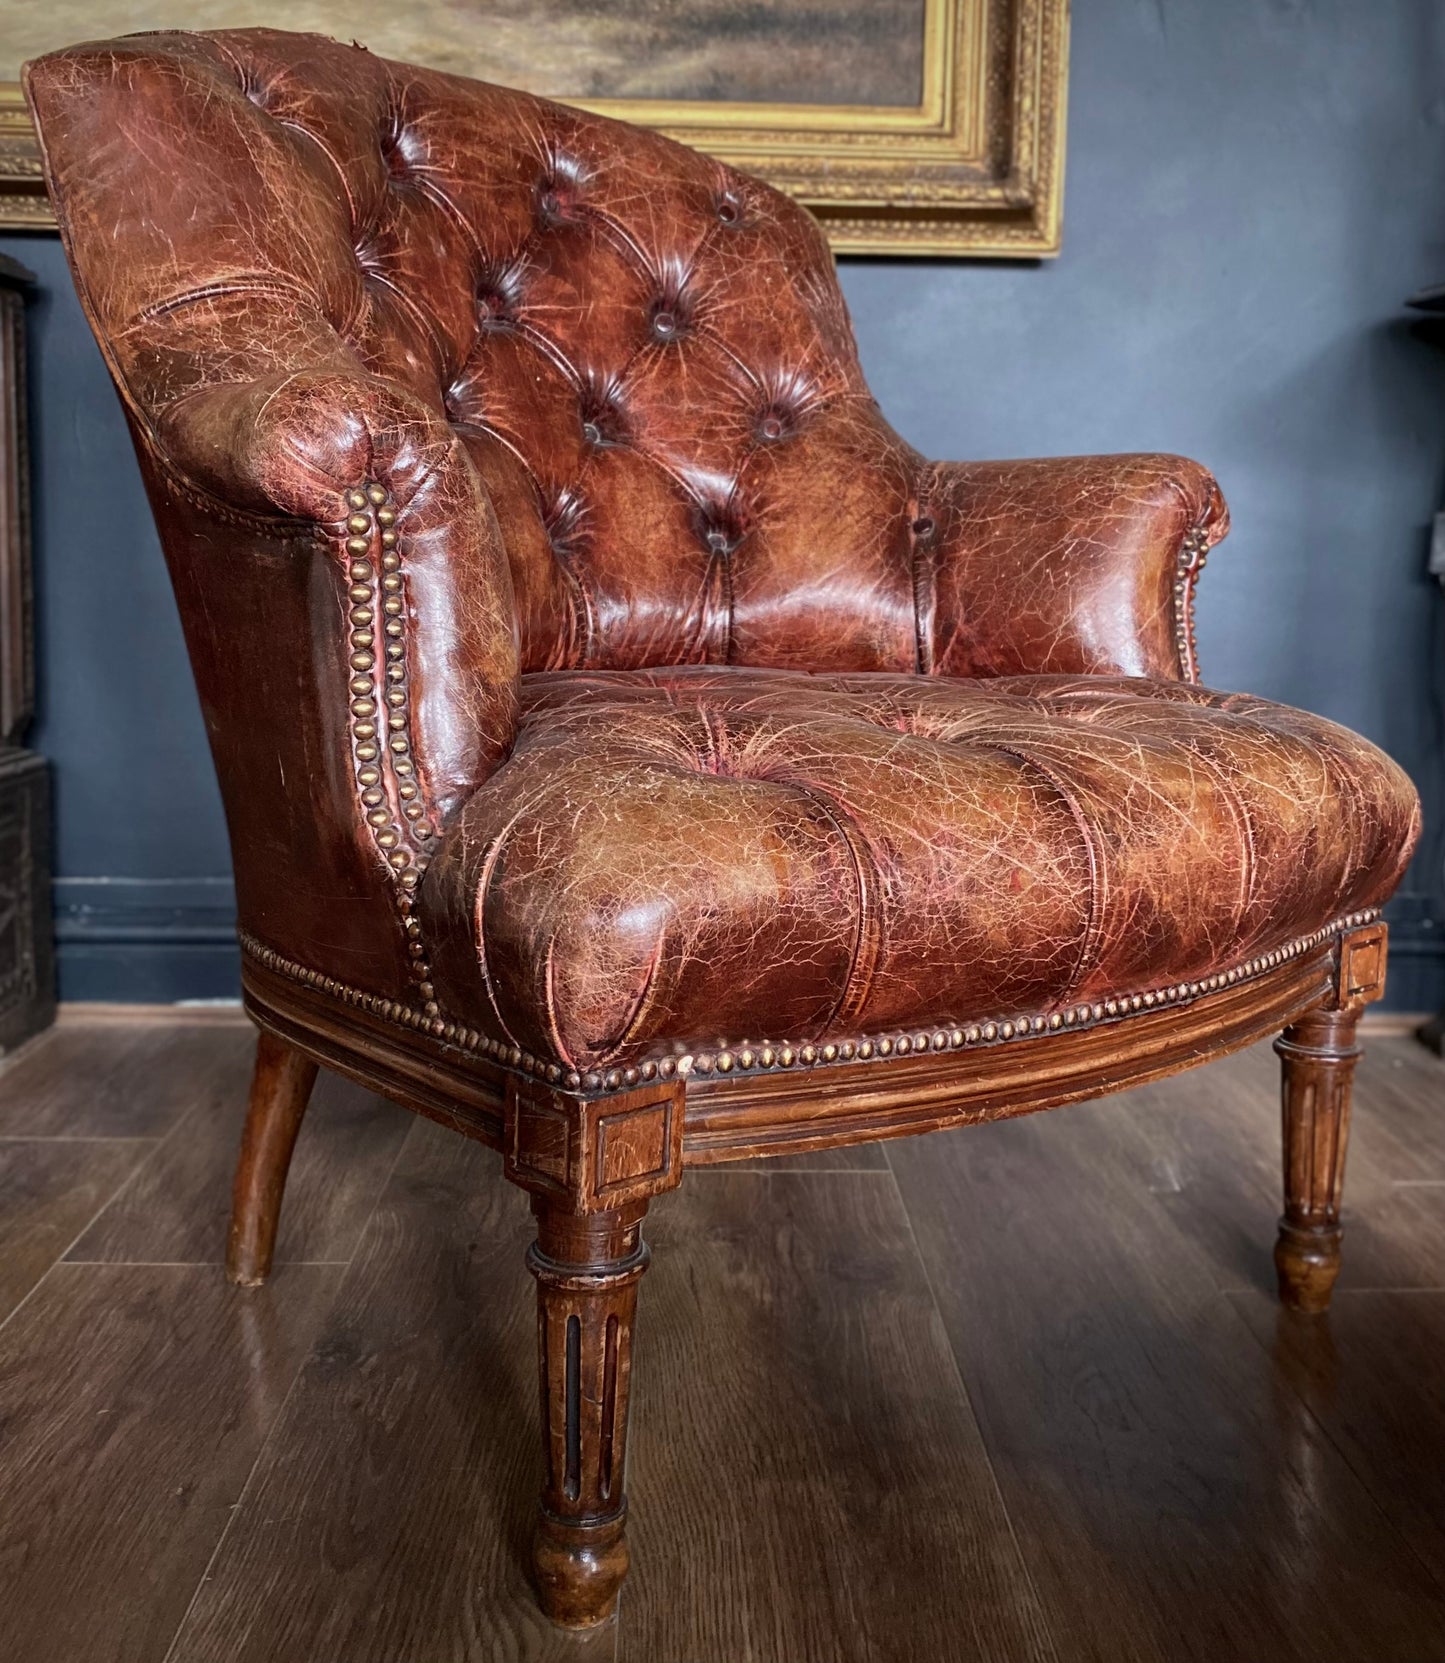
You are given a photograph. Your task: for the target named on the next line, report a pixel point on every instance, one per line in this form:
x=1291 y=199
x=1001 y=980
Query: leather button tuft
x=788 y=395
x=604 y=422
x=498 y=293
x=671 y=312
x=564 y=519
x=398 y=151
x=559 y=190
x=721 y=526
x=729 y=209
x=923 y=526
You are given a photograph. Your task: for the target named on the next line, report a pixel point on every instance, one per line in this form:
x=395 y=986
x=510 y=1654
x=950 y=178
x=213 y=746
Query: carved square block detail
x=635 y=1144
x=1362 y=965
x=538 y=1140
x=597 y=1152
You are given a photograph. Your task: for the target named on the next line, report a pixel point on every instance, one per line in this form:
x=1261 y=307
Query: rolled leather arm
x=294 y=441
x=301 y=445
x=1077 y=565
x=351 y=626
x=346 y=600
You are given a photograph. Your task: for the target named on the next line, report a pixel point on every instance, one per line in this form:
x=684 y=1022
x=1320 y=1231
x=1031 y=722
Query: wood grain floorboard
x=806 y=1478
x=49 y=1191
x=1207 y=1144
x=133 y=1400
x=1371 y=1375
x=1110 y=1436
x=389 y=1516
x=1406 y=1138
x=101 y=1080
x=177 y=1208
x=1174 y=1498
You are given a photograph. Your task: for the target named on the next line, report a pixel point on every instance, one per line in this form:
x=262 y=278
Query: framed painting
x=907 y=126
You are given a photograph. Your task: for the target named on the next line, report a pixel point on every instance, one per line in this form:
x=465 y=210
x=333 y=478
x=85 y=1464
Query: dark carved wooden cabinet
x=27 y=974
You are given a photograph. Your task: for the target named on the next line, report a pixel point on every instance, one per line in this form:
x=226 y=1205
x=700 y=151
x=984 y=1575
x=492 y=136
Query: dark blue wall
x=1253 y=187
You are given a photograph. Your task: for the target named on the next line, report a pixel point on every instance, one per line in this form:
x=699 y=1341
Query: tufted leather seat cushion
x=682 y=858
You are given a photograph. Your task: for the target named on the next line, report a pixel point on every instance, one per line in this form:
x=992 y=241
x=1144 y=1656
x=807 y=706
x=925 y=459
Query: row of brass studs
x=1192 y=554
x=380 y=739
x=428 y=1020
x=749 y=1058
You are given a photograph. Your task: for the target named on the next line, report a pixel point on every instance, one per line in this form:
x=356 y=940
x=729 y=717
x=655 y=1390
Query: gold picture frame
x=975 y=168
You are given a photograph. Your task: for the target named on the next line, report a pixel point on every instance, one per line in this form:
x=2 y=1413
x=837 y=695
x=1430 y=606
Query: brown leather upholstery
x=695 y=858
x=635 y=755
x=467 y=417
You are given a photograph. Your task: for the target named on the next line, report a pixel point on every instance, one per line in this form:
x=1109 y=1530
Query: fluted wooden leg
x=280 y=1090
x=1319 y=1056
x=591 y=1165
x=587 y=1269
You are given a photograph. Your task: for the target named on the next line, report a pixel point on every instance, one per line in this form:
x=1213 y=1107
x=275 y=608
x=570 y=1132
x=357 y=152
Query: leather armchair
x=635 y=755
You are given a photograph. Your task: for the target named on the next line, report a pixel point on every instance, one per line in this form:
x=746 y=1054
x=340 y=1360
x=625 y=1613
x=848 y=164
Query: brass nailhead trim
x=1193 y=552
x=381 y=752
x=750 y=1058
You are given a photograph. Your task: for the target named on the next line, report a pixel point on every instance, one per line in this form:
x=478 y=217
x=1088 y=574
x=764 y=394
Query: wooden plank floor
x=1018 y=1394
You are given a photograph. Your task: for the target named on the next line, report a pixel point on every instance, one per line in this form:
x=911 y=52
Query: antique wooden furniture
x=27 y=951
x=636 y=755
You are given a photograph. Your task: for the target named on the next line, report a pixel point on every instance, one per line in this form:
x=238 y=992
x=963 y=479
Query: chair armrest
x=300 y=445
x=315 y=523
x=295 y=441
x=1077 y=565
x=340 y=576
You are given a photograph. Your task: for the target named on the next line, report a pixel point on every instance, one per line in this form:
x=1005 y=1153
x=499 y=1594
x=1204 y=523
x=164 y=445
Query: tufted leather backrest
x=645 y=354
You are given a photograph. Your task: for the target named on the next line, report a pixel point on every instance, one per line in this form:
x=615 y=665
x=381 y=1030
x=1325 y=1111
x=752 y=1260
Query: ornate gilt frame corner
x=976 y=168
x=24 y=205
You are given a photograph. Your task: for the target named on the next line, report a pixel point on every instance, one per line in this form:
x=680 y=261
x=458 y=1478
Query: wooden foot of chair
x=591 y=1165
x=280 y=1090
x=587 y=1269
x=1319 y=1056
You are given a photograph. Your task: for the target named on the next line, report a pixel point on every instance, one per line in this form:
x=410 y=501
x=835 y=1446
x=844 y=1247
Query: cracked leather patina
x=722 y=856
x=585 y=659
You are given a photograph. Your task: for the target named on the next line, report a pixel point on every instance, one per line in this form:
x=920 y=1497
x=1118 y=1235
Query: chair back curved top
x=644 y=353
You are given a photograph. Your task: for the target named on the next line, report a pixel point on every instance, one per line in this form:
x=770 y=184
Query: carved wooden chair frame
x=592 y=1151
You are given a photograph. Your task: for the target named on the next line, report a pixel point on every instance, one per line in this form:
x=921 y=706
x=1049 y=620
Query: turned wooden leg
x=1319 y=1055
x=280 y=1089
x=591 y=1164
x=587 y=1269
